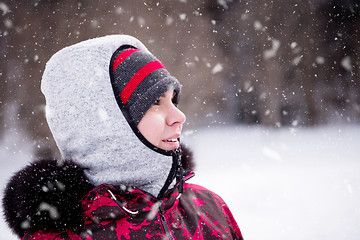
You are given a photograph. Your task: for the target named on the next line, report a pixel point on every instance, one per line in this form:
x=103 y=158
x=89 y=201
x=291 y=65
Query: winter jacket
x=54 y=200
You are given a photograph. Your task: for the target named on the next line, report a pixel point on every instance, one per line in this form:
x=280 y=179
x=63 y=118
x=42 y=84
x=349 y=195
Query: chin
x=169 y=146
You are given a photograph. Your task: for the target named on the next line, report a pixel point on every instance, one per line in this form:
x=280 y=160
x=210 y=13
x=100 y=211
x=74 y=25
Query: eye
x=173 y=101
x=157 y=102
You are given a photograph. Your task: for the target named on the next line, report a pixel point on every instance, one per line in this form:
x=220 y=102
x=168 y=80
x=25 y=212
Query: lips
x=172 y=139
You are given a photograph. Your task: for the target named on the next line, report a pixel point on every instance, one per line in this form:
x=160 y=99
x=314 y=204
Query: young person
x=112 y=109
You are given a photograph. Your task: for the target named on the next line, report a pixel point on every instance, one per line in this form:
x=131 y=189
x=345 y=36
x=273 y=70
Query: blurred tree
x=341 y=46
x=277 y=58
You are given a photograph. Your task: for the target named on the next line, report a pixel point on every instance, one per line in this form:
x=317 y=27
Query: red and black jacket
x=54 y=200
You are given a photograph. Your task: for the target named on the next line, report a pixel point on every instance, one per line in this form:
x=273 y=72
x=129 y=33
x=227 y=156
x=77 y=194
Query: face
x=162 y=123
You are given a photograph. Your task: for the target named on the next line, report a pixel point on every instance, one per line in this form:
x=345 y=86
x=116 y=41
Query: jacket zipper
x=164 y=223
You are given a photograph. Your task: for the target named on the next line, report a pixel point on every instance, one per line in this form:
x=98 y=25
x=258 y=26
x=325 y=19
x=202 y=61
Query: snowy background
x=288 y=183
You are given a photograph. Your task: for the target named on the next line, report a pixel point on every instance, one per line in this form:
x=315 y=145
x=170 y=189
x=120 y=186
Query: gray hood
x=87 y=123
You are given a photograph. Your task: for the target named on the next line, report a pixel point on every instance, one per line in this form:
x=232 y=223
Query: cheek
x=151 y=127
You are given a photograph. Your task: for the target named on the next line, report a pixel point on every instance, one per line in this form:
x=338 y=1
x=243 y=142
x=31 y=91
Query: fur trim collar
x=46 y=194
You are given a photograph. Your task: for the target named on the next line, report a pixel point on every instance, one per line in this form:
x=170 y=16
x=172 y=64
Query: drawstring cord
x=121 y=204
x=180 y=171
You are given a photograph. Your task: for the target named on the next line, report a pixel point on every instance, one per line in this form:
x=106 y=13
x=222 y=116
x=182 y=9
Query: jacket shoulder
x=44 y=196
x=216 y=207
x=200 y=192
x=198 y=188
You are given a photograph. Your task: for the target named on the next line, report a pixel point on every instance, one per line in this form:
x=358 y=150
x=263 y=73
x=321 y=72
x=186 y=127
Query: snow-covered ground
x=280 y=184
x=284 y=184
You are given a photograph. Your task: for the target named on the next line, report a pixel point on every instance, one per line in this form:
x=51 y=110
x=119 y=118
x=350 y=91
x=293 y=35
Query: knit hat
x=138 y=80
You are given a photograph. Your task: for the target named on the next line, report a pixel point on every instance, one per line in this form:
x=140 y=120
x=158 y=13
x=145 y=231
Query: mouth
x=172 y=142
x=173 y=138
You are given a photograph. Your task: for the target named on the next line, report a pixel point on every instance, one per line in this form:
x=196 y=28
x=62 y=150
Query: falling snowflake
x=270 y=53
x=346 y=63
x=53 y=212
x=182 y=16
x=4 y=8
x=217 y=68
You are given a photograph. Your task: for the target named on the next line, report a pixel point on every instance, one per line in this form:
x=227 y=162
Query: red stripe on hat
x=137 y=79
x=122 y=56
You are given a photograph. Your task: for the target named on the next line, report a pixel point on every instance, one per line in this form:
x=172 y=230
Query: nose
x=175 y=116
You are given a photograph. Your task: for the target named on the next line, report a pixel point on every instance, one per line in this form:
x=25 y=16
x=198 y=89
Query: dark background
x=276 y=63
